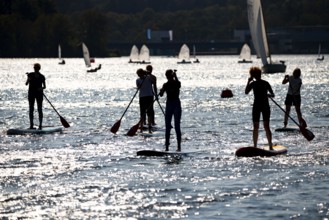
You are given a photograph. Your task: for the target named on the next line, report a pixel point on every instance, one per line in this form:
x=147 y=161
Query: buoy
x=226 y=93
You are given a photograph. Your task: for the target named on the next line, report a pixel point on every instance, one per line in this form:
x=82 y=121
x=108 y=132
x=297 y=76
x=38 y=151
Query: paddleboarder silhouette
x=37 y=83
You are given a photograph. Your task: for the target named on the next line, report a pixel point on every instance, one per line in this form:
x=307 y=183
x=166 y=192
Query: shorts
x=292 y=100
x=265 y=111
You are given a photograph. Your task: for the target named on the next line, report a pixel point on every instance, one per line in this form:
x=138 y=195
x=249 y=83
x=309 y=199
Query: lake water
x=89 y=173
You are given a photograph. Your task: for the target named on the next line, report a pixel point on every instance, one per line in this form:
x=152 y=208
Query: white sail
x=134 y=54
x=86 y=55
x=184 y=53
x=257 y=29
x=144 y=55
x=245 y=53
x=59 y=52
x=259 y=38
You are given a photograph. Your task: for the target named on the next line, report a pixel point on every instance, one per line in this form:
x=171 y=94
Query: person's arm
x=270 y=90
x=248 y=86
x=162 y=90
x=28 y=79
x=285 y=79
x=44 y=84
x=154 y=83
x=175 y=75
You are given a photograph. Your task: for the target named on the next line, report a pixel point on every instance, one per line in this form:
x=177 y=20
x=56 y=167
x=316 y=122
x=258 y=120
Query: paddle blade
x=115 y=127
x=307 y=133
x=303 y=123
x=133 y=130
x=64 y=122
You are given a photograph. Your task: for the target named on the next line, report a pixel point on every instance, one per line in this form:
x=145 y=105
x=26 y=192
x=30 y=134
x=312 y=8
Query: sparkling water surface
x=87 y=172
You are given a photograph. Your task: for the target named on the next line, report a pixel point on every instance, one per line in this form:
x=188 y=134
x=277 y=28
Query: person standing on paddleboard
x=144 y=83
x=149 y=69
x=261 y=104
x=37 y=83
x=293 y=96
x=173 y=106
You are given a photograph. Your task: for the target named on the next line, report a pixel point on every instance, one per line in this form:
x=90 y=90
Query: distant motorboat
x=245 y=54
x=259 y=38
x=184 y=55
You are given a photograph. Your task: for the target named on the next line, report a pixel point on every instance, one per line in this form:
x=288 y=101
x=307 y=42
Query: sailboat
x=245 y=54
x=184 y=55
x=60 y=55
x=144 y=55
x=259 y=38
x=196 y=60
x=86 y=55
x=134 y=55
x=320 y=57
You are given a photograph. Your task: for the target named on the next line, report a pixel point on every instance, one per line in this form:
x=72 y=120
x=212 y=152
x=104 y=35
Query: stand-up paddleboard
x=45 y=130
x=261 y=152
x=157 y=153
x=286 y=129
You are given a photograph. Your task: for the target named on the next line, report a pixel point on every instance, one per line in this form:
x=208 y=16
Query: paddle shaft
x=161 y=107
x=51 y=105
x=132 y=99
x=63 y=121
x=285 y=112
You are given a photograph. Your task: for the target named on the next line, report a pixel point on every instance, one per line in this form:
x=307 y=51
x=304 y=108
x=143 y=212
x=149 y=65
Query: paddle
x=306 y=133
x=63 y=121
x=117 y=124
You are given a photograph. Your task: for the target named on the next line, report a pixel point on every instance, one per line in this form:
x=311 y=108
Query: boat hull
x=274 y=68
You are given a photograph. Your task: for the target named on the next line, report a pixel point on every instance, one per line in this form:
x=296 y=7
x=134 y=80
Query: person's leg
x=266 y=121
x=288 y=102
x=168 y=117
x=255 y=119
x=255 y=133
x=31 y=110
x=177 y=118
x=150 y=112
x=39 y=104
x=143 y=108
x=285 y=123
x=268 y=134
x=297 y=103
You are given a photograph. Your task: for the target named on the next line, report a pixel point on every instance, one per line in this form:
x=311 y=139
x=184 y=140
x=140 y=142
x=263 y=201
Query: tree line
x=34 y=28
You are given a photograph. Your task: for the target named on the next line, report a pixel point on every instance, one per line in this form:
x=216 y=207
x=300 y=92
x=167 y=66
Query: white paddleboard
x=45 y=130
